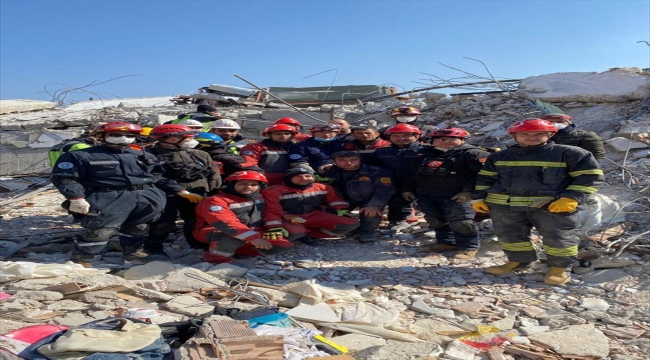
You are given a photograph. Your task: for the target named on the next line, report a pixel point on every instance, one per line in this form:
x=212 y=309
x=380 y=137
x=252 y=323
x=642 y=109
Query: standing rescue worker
x=365 y=140
x=204 y=113
x=296 y=207
x=346 y=133
x=226 y=162
x=316 y=152
x=110 y=187
x=408 y=115
x=536 y=183
x=366 y=187
x=83 y=141
x=401 y=157
x=443 y=184
x=568 y=135
x=297 y=125
x=271 y=155
x=228 y=130
x=196 y=174
x=231 y=221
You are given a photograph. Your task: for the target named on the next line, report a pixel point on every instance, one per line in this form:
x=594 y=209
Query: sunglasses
x=120 y=135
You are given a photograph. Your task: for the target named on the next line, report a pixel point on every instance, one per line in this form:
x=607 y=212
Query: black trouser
x=399 y=208
x=513 y=228
x=123 y=211
x=176 y=206
x=367 y=224
x=452 y=221
x=228 y=246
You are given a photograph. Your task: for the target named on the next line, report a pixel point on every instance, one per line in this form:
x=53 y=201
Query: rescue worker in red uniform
x=271 y=155
x=443 y=183
x=366 y=140
x=536 y=183
x=230 y=222
x=296 y=206
x=296 y=125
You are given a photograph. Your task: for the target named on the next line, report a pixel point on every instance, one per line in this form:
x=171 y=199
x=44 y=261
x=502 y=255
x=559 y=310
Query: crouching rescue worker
x=197 y=177
x=231 y=221
x=366 y=187
x=306 y=210
x=443 y=183
x=536 y=183
x=110 y=187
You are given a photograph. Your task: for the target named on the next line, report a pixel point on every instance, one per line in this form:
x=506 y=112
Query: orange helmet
x=118 y=126
x=172 y=130
x=279 y=127
x=288 y=121
x=450 y=132
x=532 y=125
x=403 y=128
x=247 y=175
x=405 y=111
x=557 y=117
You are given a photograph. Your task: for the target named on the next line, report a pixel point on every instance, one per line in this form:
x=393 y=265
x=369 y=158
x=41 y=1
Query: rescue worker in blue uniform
x=366 y=187
x=536 y=183
x=443 y=184
x=112 y=189
x=316 y=152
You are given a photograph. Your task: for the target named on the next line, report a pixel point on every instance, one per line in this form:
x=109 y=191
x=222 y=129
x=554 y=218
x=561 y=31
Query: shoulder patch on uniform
x=65 y=165
x=363 y=178
x=385 y=180
x=215 y=208
x=247 y=152
x=295 y=156
x=482 y=160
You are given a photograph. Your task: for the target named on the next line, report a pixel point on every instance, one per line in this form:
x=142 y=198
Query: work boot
x=508 y=267
x=465 y=254
x=367 y=238
x=130 y=253
x=438 y=248
x=557 y=276
x=307 y=240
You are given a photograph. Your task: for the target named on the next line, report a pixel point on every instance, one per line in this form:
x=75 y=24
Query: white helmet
x=225 y=124
x=191 y=123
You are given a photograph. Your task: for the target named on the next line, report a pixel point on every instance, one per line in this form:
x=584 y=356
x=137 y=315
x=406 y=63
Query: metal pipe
x=282 y=101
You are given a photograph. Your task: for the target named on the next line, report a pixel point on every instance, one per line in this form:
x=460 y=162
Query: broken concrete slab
x=604 y=276
x=188 y=305
x=357 y=342
x=623 y=144
x=39 y=295
x=14 y=106
x=581 y=340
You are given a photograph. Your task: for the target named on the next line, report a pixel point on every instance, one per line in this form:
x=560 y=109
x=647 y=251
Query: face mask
x=324 y=140
x=560 y=126
x=121 y=140
x=191 y=144
x=404 y=119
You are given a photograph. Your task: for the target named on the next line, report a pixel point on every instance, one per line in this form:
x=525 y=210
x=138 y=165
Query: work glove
x=194 y=198
x=563 y=205
x=79 y=206
x=462 y=197
x=481 y=207
x=322 y=179
x=344 y=213
x=409 y=196
x=275 y=234
x=294 y=219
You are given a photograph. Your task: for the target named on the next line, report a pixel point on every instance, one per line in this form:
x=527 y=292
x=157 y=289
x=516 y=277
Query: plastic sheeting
x=22 y=270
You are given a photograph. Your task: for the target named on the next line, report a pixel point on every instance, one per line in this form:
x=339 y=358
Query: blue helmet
x=208 y=139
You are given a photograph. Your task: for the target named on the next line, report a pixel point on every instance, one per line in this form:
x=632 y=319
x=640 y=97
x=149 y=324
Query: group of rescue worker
x=240 y=198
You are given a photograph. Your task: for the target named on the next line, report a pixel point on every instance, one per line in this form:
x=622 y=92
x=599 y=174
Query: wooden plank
x=254 y=347
x=495 y=353
x=68 y=288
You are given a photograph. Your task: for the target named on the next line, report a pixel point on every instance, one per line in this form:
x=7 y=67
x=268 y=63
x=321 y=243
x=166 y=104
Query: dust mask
x=190 y=144
x=560 y=126
x=120 y=140
x=405 y=119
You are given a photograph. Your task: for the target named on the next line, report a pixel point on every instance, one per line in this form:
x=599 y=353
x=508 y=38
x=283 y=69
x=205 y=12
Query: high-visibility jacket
x=524 y=177
x=271 y=157
x=282 y=199
x=231 y=215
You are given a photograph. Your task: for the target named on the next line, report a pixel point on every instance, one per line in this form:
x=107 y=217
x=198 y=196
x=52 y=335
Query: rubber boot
x=557 y=276
x=507 y=267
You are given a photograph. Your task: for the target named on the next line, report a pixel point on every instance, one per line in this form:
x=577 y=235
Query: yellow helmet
x=145 y=131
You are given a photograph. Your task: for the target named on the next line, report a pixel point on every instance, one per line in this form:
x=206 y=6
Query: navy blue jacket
x=400 y=160
x=369 y=186
x=314 y=153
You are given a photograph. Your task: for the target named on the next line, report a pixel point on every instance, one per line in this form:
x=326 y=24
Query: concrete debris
x=19 y=106
x=580 y=340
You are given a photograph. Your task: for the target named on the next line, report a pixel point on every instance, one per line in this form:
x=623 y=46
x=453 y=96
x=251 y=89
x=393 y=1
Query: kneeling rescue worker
x=536 y=183
x=231 y=221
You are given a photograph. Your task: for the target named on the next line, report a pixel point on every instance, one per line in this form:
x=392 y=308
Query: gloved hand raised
x=462 y=197
x=275 y=234
x=79 y=206
x=563 y=205
x=194 y=198
x=409 y=196
x=481 y=207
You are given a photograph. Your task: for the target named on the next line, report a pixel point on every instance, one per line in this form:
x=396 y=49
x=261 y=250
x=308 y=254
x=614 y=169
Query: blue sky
x=176 y=47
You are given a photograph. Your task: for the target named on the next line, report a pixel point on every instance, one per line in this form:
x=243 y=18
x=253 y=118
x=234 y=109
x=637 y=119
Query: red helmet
x=288 y=121
x=279 y=127
x=450 y=132
x=247 y=175
x=326 y=127
x=403 y=128
x=532 y=125
x=405 y=110
x=118 y=126
x=162 y=131
x=557 y=117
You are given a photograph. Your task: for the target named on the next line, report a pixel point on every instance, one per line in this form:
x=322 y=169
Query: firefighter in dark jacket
x=365 y=140
x=408 y=115
x=271 y=155
x=365 y=187
x=316 y=152
x=568 y=135
x=443 y=184
x=231 y=221
x=401 y=157
x=195 y=173
x=308 y=211
x=226 y=162
x=536 y=183
x=110 y=189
